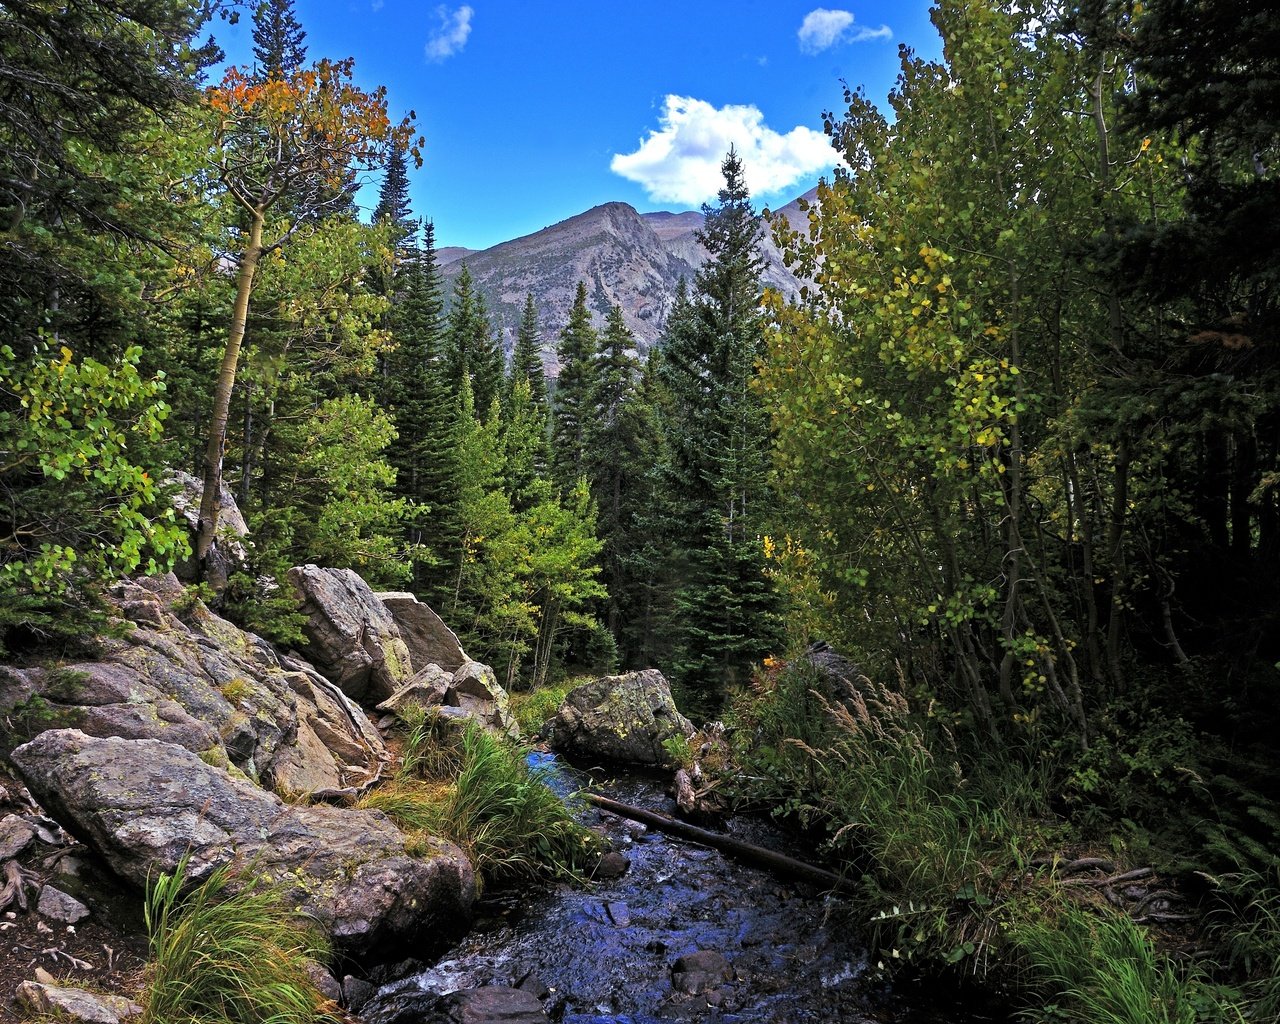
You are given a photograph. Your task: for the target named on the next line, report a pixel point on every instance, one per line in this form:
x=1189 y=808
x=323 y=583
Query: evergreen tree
x=471 y=349
x=278 y=39
x=571 y=405
x=420 y=399
x=718 y=443
x=393 y=207
x=613 y=464
x=526 y=357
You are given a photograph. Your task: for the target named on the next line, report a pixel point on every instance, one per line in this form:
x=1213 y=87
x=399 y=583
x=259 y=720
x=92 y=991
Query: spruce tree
x=420 y=399
x=718 y=444
x=526 y=357
x=613 y=453
x=278 y=39
x=471 y=349
x=571 y=406
x=393 y=203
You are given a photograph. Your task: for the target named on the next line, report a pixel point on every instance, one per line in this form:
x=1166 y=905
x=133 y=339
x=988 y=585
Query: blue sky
x=536 y=111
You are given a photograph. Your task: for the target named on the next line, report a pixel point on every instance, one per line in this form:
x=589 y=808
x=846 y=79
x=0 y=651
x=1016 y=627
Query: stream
x=606 y=952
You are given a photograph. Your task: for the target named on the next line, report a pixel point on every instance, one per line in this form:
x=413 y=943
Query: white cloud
x=451 y=36
x=680 y=162
x=823 y=29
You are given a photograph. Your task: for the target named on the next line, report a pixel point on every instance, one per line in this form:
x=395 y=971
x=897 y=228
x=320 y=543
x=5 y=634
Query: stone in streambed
x=625 y=718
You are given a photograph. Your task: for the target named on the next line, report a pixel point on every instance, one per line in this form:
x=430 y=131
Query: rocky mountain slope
x=633 y=259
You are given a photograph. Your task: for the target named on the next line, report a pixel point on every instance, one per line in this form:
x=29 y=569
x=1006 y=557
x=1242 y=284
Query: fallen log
x=748 y=852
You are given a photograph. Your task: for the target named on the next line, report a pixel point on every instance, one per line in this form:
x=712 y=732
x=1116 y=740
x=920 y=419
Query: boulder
x=428 y=687
x=493 y=1004
x=619 y=718
x=57 y=905
x=700 y=972
x=429 y=640
x=475 y=690
x=472 y=692
x=351 y=636
x=844 y=679
x=75 y=1004
x=143 y=804
x=187 y=676
x=229 y=552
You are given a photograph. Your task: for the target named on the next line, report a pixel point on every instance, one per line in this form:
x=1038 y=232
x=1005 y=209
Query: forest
x=1015 y=451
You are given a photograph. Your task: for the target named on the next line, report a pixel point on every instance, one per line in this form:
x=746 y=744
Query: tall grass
x=1246 y=925
x=223 y=957
x=1103 y=970
x=511 y=825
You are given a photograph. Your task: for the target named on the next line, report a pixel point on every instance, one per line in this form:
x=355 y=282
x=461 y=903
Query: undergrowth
x=477 y=790
x=219 y=956
x=533 y=708
x=948 y=845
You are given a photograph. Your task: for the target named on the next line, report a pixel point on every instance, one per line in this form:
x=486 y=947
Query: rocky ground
x=50 y=941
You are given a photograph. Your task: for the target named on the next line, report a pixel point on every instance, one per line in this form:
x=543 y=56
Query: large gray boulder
x=351 y=636
x=429 y=640
x=229 y=552
x=143 y=804
x=187 y=676
x=471 y=692
x=619 y=718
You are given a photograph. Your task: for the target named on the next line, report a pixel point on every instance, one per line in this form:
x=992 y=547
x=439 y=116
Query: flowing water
x=606 y=952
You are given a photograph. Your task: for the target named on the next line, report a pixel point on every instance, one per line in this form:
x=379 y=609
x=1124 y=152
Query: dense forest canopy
x=1016 y=449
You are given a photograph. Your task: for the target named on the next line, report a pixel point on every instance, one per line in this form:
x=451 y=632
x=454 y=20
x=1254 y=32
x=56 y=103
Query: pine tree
x=718 y=443
x=485 y=358
x=574 y=393
x=393 y=207
x=471 y=349
x=613 y=452
x=526 y=357
x=419 y=397
x=278 y=46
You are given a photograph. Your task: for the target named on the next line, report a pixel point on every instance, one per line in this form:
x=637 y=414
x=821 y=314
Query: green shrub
x=533 y=708
x=223 y=957
x=1103 y=970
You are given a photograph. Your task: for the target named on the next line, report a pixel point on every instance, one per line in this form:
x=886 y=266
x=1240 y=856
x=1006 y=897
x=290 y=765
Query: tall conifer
x=718 y=442
x=571 y=410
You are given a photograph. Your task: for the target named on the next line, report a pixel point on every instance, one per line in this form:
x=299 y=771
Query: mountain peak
x=626 y=258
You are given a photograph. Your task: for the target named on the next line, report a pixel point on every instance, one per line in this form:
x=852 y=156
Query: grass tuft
x=223 y=957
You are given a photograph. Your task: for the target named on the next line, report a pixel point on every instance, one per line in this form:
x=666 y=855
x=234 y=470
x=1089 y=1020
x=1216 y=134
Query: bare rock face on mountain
x=626 y=258
x=144 y=804
x=429 y=640
x=189 y=677
x=351 y=636
x=619 y=718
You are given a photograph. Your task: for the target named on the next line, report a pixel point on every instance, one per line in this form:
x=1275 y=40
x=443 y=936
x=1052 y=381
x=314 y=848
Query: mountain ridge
x=633 y=259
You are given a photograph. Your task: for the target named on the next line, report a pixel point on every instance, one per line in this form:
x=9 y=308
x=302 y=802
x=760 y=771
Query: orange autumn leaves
x=314 y=124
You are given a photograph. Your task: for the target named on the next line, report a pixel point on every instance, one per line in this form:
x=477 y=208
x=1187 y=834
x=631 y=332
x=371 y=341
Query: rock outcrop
x=229 y=552
x=144 y=804
x=189 y=677
x=429 y=640
x=351 y=636
x=619 y=718
x=59 y=1002
x=470 y=693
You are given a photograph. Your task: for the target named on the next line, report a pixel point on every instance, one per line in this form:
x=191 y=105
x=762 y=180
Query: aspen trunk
x=210 y=501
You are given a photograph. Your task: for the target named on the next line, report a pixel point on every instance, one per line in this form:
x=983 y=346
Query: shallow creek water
x=606 y=951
